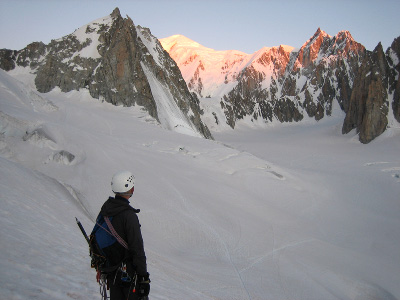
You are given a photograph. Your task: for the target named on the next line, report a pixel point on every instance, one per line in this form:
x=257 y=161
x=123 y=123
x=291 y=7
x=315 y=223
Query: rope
x=115 y=234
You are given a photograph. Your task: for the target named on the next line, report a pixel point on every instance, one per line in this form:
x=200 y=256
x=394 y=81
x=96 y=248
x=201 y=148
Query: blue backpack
x=104 y=241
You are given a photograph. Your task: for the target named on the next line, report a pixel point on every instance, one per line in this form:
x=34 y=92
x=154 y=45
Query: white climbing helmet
x=122 y=182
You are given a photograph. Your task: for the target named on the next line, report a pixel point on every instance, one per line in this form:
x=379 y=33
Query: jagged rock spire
x=116 y=13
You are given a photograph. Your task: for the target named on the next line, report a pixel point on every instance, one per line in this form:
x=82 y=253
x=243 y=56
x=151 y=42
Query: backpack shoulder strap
x=115 y=234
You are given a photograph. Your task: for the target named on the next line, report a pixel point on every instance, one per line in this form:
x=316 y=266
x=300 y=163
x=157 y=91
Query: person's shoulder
x=130 y=213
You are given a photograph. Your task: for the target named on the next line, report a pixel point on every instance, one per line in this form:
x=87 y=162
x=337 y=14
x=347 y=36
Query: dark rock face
x=108 y=58
x=119 y=77
x=7 y=59
x=368 y=107
x=396 y=101
x=393 y=55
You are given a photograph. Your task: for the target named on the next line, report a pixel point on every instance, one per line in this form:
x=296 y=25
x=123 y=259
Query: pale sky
x=245 y=25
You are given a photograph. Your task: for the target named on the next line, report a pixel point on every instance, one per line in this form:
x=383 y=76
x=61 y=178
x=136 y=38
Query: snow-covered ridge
x=217 y=70
x=151 y=44
x=90 y=32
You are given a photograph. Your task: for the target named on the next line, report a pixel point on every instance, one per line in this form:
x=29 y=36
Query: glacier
x=281 y=212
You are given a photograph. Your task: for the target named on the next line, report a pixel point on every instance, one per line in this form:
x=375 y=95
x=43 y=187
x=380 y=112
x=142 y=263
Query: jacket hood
x=113 y=206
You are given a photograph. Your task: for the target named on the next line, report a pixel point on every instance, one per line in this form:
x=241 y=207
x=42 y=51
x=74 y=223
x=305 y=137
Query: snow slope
x=287 y=212
x=169 y=114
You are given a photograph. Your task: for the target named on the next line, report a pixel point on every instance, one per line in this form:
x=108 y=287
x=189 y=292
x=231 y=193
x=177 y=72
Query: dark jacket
x=126 y=223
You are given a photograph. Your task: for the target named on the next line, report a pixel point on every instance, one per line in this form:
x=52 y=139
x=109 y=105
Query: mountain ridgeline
x=124 y=64
x=288 y=85
x=117 y=62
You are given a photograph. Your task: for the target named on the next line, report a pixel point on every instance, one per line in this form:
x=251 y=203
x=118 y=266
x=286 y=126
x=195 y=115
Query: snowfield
x=280 y=211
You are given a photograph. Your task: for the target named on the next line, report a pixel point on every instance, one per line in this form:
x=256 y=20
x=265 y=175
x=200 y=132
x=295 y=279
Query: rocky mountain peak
x=118 y=63
x=318 y=36
x=116 y=13
x=317 y=39
x=322 y=45
x=310 y=50
x=344 y=43
x=345 y=35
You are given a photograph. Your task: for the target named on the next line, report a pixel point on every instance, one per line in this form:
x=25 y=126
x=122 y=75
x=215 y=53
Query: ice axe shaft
x=83 y=230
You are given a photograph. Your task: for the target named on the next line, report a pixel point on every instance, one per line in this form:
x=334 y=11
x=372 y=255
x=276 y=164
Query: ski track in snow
x=222 y=240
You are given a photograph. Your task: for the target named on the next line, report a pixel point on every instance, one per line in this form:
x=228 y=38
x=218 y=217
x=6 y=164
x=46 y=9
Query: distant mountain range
x=125 y=64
